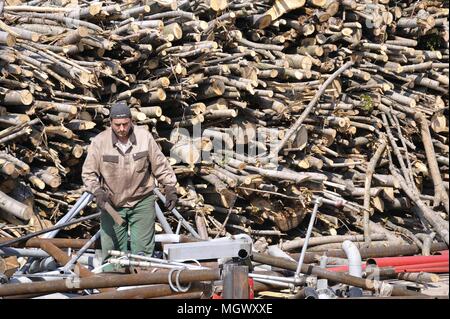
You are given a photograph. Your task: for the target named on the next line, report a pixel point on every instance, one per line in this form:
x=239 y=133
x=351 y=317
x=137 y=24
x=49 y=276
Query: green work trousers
x=140 y=220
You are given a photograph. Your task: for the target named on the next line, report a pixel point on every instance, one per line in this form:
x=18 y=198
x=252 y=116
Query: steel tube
x=84 y=199
x=292 y=280
x=86 y=246
x=153 y=259
x=178 y=215
x=162 y=220
x=21 y=252
x=389 y=251
x=25 y=237
x=332 y=276
x=184 y=295
x=95 y=282
x=79 y=243
x=152 y=291
x=317 y=203
x=275 y=283
x=62 y=258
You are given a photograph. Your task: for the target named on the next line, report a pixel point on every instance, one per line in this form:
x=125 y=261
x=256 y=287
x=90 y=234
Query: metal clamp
x=178 y=287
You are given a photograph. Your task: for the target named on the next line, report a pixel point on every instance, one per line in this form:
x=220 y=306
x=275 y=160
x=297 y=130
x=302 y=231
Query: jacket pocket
x=110 y=165
x=141 y=161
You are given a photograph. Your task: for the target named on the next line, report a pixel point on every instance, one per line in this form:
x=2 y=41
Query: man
x=120 y=168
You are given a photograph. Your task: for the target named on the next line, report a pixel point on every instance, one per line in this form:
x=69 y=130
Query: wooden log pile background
x=219 y=83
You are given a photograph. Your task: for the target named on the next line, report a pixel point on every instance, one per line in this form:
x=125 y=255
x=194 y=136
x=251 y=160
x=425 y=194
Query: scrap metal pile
x=264 y=109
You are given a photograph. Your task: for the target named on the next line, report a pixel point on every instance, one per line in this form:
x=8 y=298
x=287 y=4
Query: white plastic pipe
x=354 y=258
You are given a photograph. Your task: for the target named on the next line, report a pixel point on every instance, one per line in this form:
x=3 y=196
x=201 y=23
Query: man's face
x=121 y=126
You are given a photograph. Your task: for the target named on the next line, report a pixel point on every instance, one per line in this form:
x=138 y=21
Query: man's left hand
x=171 y=197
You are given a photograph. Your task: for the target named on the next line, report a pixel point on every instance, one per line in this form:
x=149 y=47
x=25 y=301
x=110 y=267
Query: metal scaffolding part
x=317 y=203
x=155 y=261
x=81 y=203
x=23 y=252
x=178 y=215
x=162 y=220
x=83 y=249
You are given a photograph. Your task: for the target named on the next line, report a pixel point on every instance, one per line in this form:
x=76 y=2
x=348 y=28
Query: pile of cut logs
x=261 y=107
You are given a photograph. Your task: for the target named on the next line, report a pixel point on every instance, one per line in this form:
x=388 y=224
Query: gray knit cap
x=120 y=110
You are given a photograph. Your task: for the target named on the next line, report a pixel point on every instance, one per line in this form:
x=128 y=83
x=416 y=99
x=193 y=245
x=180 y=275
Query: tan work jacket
x=128 y=177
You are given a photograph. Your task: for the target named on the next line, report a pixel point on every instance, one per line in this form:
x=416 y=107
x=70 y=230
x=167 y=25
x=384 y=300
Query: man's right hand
x=101 y=197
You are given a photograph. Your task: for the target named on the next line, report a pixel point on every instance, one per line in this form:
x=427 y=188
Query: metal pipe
x=40 y=265
x=43 y=231
x=139 y=292
x=178 y=215
x=275 y=283
x=183 y=295
x=51 y=232
x=167 y=238
x=96 y=282
x=162 y=220
x=371 y=285
x=79 y=243
x=370 y=252
x=118 y=253
x=292 y=280
x=75 y=258
x=147 y=264
x=317 y=203
x=84 y=199
x=62 y=259
x=21 y=252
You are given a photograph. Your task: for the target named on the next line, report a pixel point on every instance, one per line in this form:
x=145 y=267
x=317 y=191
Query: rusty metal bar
x=366 y=284
x=28 y=236
x=74 y=259
x=62 y=258
x=59 y=242
x=186 y=295
x=99 y=281
x=372 y=252
x=152 y=291
x=72 y=243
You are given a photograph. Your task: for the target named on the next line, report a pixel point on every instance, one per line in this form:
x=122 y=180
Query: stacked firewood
x=220 y=83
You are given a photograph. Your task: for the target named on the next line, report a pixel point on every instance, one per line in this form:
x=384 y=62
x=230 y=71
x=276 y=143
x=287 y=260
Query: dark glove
x=101 y=198
x=171 y=197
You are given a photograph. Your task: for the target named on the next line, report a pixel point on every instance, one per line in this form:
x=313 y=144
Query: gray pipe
x=317 y=203
x=84 y=200
x=74 y=259
x=22 y=252
x=162 y=220
x=178 y=215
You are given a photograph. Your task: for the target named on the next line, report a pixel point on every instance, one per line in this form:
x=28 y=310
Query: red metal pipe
x=342 y=268
x=407 y=260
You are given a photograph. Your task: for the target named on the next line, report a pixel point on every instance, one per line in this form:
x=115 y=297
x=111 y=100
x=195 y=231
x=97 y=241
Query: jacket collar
x=132 y=136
